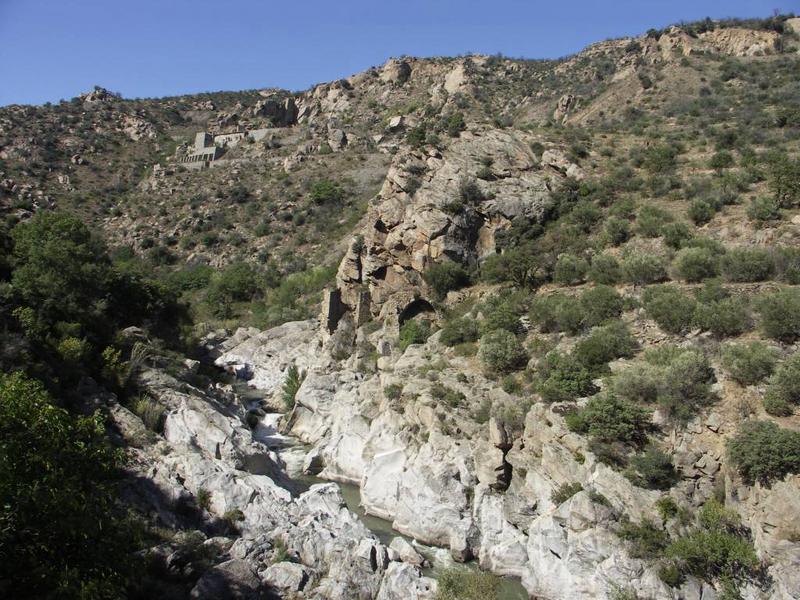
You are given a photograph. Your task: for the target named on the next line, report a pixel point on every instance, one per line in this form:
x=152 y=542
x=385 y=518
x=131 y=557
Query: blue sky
x=54 y=49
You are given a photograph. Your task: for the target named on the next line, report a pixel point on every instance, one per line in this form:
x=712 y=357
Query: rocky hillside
x=543 y=314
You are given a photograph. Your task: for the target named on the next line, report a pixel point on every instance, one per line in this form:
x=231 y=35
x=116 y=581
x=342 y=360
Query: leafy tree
x=764 y=452
x=60 y=536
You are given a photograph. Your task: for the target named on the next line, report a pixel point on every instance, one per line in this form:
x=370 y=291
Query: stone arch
x=415 y=308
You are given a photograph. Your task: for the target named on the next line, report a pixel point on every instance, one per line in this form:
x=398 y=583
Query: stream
x=292 y=453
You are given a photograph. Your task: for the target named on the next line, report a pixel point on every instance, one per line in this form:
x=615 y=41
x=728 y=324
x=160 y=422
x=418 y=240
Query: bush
x=676 y=235
x=721 y=160
x=393 y=391
x=646 y=539
x=564 y=492
x=780 y=314
x=461 y=584
x=696 y=264
x=763 y=209
x=783 y=392
x=651 y=220
x=686 y=386
x=459 y=331
x=518 y=265
x=617 y=231
x=151 y=413
x=237 y=283
x=600 y=304
x=638 y=383
x=701 y=212
x=652 y=470
x=501 y=352
x=562 y=379
x=717 y=549
x=764 y=452
x=413 y=332
x=747 y=264
x=61 y=534
x=606 y=418
x=749 y=363
x=447 y=395
x=291 y=385
x=603 y=345
x=569 y=269
x=326 y=192
x=605 y=270
x=557 y=312
x=641 y=269
x=723 y=318
x=444 y=277
x=669 y=307
x=502 y=313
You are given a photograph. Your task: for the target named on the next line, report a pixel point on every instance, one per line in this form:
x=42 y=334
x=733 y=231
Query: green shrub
x=638 y=383
x=764 y=209
x=604 y=344
x=606 y=418
x=641 y=269
x=617 y=231
x=557 y=312
x=667 y=508
x=764 y=452
x=517 y=265
x=780 y=314
x=291 y=384
x=461 y=584
x=444 y=277
x=455 y=124
x=716 y=549
x=501 y=352
x=645 y=539
x=668 y=306
x=600 y=304
x=701 y=211
x=721 y=160
x=150 y=412
x=502 y=314
x=564 y=492
x=237 y=283
x=749 y=363
x=459 y=331
x=787 y=264
x=696 y=264
x=783 y=392
x=570 y=269
x=723 y=318
x=326 y=191
x=651 y=220
x=686 y=387
x=393 y=391
x=447 y=395
x=747 y=264
x=676 y=235
x=605 y=270
x=563 y=378
x=652 y=469
x=413 y=332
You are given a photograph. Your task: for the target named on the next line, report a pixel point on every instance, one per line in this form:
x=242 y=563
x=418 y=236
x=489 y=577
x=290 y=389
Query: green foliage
x=652 y=469
x=726 y=317
x=747 y=264
x=749 y=363
x=696 y=264
x=686 y=384
x=651 y=220
x=764 y=209
x=660 y=158
x=447 y=395
x=645 y=539
x=721 y=160
x=701 y=211
x=502 y=312
x=668 y=306
x=501 y=352
x=563 y=378
x=191 y=277
x=557 y=312
x=676 y=235
x=59 y=531
x=604 y=344
x=667 y=508
x=780 y=314
x=294 y=379
x=564 y=492
x=455 y=124
x=459 y=331
x=393 y=391
x=413 y=331
x=784 y=179
x=783 y=392
x=638 y=383
x=326 y=191
x=444 y=277
x=617 y=231
x=236 y=283
x=517 y=265
x=718 y=549
x=461 y=584
x=607 y=418
x=764 y=452
x=150 y=412
x=605 y=270
x=600 y=304
x=570 y=269
x=641 y=269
